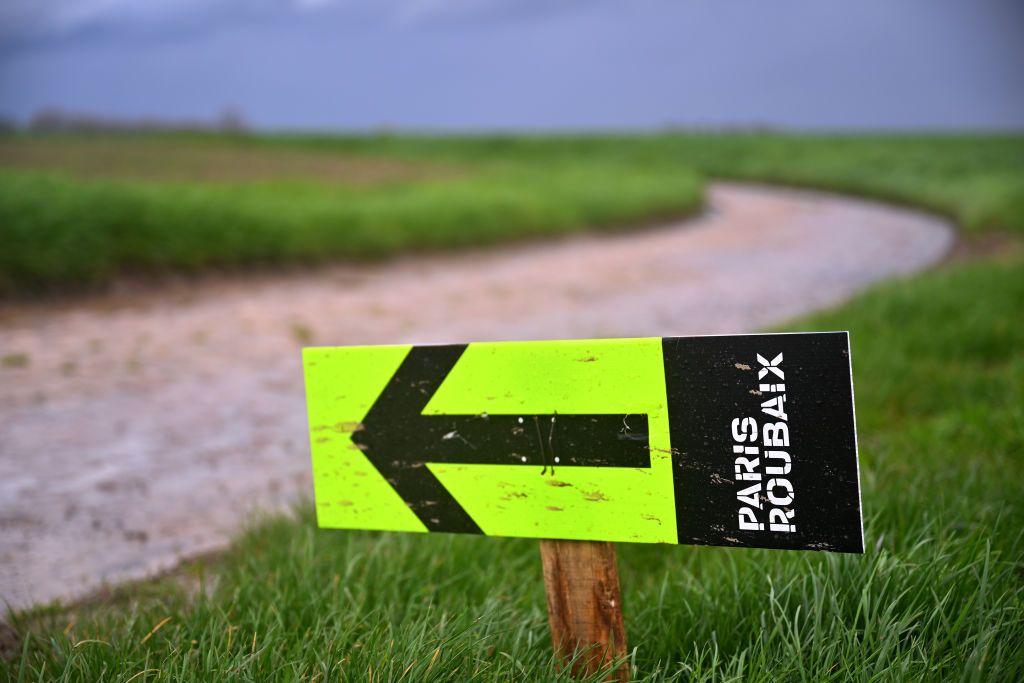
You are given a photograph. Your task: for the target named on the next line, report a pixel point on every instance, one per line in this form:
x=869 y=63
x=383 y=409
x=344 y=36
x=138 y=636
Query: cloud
x=444 y=11
x=57 y=16
x=28 y=22
x=31 y=22
x=315 y=4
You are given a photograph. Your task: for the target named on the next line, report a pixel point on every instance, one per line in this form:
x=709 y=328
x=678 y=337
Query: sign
x=744 y=440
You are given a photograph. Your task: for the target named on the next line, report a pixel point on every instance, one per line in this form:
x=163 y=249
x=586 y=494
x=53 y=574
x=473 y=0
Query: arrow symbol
x=399 y=439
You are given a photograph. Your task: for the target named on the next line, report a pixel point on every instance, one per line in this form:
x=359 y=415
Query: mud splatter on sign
x=637 y=443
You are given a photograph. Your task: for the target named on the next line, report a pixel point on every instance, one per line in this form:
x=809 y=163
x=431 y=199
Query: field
x=978 y=181
x=77 y=212
x=939 y=370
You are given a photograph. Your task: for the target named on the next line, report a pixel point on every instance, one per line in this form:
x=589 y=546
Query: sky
x=521 y=64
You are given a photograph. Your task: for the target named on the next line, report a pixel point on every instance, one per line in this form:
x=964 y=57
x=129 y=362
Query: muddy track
x=141 y=429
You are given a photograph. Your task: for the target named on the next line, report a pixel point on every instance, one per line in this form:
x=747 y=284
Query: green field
x=938 y=595
x=78 y=211
x=976 y=180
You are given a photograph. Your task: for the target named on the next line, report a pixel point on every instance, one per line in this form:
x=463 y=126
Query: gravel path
x=143 y=428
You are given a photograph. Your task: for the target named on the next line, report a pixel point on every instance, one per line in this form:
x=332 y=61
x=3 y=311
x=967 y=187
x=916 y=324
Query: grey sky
x=486 y=64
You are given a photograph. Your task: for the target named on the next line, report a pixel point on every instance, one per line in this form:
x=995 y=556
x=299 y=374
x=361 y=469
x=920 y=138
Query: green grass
x=79 y=211
x=65 y=224
x=939 y=594
x=977 y=180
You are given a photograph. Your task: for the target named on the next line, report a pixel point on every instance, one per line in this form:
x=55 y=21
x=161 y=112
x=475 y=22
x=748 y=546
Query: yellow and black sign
x=729 y=440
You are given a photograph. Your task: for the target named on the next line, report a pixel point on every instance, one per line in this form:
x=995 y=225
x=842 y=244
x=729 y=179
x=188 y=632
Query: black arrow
x=398 y=439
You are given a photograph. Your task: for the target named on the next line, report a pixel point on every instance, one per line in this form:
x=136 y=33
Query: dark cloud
x=524 y=64
x=52 y=24
x=25 y=24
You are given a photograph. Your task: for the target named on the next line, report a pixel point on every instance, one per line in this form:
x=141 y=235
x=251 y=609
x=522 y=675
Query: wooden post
x=585 y=606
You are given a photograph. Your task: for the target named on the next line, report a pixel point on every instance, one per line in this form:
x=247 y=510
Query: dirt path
x=135 y=432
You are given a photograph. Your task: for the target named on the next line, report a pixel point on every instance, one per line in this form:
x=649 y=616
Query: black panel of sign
x=764 y=442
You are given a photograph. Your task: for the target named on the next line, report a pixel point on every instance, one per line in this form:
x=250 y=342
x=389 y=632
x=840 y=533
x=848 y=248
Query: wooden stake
x=585 y=606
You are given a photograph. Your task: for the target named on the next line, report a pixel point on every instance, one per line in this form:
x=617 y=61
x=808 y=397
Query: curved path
x=142 y=429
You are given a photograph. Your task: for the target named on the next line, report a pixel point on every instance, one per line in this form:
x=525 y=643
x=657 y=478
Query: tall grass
x=61 y=230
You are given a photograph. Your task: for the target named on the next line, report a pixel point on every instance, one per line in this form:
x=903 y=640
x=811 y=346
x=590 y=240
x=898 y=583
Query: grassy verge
x=71 y=218
x=939 y=595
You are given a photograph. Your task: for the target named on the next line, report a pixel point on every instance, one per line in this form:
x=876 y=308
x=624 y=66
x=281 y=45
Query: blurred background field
x=77 y=217
x=81 y=210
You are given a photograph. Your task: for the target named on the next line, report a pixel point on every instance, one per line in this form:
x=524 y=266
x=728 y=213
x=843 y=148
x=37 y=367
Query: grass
x=976 y=180
x=939 y=594
x=70 y=219
x=220 y=159
x=14 y=360
x=79 y=211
